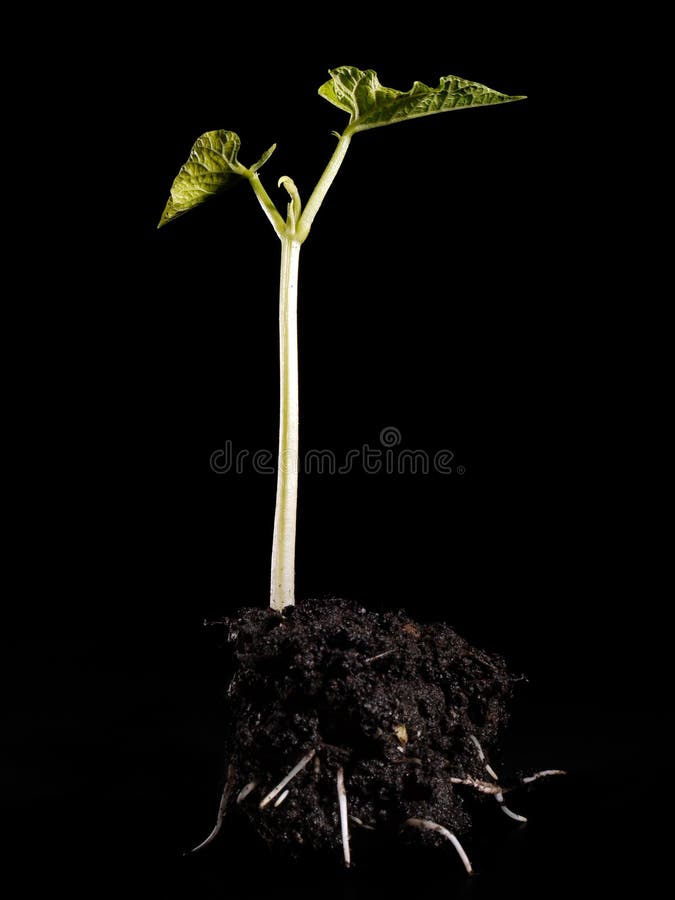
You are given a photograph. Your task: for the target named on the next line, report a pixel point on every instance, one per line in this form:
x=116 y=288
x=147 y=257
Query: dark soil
x=398 y=723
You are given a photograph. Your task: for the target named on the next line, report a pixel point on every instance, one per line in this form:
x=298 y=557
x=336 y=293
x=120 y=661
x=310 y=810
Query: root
x=545 y=773
x=494 y=789
x=499 y=797
x=280 y=799
x=362 y=824
x=485 y=787
x=481 y=755
x=499 y=794
x=378 y=656
x=227 y=790
x=245 y=791
x=284 y=781
x=344 y=818
x=428 y=825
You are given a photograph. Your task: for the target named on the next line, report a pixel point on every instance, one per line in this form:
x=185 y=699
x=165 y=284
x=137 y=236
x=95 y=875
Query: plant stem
x=292 y=234
x=282 y=585
x=323 y=185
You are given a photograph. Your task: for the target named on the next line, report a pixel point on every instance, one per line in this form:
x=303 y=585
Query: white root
x=344 y=817
x=481 y=755
x=280 y=799
x=485 y=787
x=362 y=824
x=227 y=790
x=379 y=656
x=499 y=796
x=245 y=791
x=284 y=781
x=545 y=773
x=427 y=824
x=474 y=740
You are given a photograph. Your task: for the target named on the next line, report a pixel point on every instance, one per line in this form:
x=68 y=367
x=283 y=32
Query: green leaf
x=212 y=167
x=370 y=105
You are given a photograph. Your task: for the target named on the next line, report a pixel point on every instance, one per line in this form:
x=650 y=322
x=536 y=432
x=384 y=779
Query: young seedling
x=407 y=703
x=213 y=166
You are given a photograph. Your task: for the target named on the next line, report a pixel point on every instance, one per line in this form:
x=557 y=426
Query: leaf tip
x=168 y=214
x=263 y=159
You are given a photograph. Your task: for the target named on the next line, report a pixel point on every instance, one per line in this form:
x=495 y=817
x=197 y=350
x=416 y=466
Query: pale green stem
x=282 y=583
x=268 y=206
x=292 y=233
x=323 y=186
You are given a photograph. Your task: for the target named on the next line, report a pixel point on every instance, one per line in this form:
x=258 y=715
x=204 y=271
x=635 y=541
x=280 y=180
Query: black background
x=452 y=288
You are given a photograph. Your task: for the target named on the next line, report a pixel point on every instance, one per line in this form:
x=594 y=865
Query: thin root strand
x=227 y=790
x=362 y=824
x=284 y=781
x=499 y=795
x=344 y=817
x=428 y=825
x=485 y=787
x=245 y=791
x=280 y=799
x=545 y=773
x=379 y=656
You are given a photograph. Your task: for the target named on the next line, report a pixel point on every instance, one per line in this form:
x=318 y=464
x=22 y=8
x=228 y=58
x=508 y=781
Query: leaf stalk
x=267 y=204
x=323 y=185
